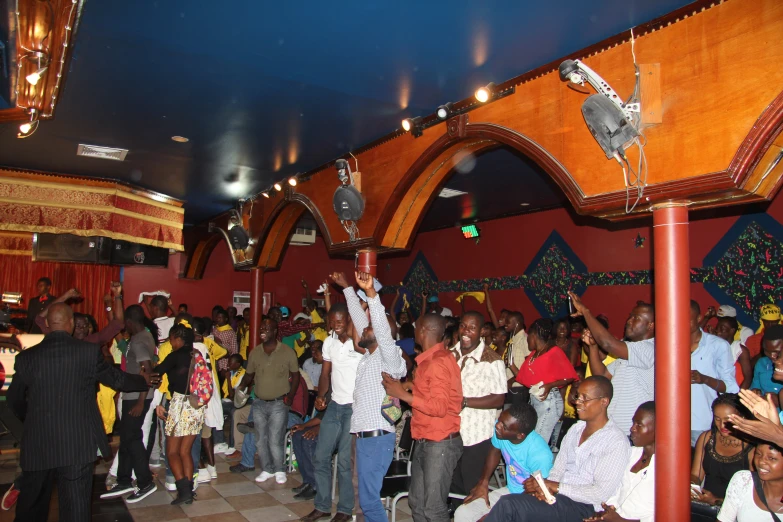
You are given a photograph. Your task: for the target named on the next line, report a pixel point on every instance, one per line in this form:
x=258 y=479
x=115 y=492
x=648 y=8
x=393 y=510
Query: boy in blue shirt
x=524 y=452
x=764 y=372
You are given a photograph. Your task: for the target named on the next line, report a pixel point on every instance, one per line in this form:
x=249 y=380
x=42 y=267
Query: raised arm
x=70 y=294
x=308 y=298
x=490 y=310
x=327 y=302
x=605 y=340
x=396 y=300
x=393 y=363
x=423 y=309
x=596 y=362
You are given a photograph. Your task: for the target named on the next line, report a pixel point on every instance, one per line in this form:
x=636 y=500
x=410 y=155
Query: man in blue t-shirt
x=524 y=452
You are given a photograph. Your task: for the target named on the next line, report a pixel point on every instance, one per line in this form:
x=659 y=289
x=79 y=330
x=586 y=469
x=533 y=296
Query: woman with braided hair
x=545 y=372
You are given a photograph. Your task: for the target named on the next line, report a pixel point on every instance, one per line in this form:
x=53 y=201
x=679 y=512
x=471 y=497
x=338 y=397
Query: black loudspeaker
x=69 y=248
x=126 y=253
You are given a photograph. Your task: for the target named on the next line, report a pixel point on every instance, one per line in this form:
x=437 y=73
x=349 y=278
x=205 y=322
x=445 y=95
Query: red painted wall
x=507 y=247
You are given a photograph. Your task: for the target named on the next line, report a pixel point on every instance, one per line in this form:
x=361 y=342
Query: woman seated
x=635 y=499
x=720 y=453
x=756 y=496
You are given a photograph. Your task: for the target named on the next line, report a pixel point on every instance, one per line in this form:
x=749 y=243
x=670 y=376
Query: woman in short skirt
x=183 y=421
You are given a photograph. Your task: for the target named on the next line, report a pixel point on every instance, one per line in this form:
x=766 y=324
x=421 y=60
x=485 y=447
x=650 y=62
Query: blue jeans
x=432 y=468
x=304 y=449
x=249 y=445
x=549 y=412
x=270 y=419
x=373 y=456
x=335 y=435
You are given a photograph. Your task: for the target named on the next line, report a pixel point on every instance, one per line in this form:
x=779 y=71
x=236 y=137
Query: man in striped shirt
x=375 y=434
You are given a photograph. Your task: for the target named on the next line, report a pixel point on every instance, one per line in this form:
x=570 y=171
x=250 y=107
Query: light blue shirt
x=713 y=359
x=532 y=454
x=762 y=377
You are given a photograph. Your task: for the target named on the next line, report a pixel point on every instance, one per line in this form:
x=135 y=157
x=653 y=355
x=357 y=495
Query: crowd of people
x=564 y=407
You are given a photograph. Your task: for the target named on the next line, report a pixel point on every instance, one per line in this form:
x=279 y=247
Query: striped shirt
x=591 y=472
x=633 y=381
x=369 y=393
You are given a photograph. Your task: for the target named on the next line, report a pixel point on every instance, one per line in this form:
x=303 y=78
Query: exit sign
x=470 y=231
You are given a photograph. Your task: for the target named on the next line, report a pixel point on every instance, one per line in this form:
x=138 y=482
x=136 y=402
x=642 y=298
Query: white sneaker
x=203 y=476
x=171 y=486
x=229 y=451
x=280 y=477
x=220 y=448
x=263 y=476
x=212 y=471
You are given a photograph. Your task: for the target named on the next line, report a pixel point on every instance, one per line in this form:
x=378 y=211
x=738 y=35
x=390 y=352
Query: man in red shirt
x=436 y=399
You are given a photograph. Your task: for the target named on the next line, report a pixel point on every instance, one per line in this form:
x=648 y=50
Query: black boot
x=184 y=492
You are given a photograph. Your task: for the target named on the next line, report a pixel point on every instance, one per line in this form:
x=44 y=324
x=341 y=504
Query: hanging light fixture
x=265 y=194
x=278 y=187
x=28 y=128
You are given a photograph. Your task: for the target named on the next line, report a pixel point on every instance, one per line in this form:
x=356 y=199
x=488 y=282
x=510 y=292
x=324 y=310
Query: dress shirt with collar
x=437 y=395
x=518 y=353
x=483 y=373
x=35 y=307
x=711 y=358
x=344 y=361
x=591 y=472
x=368 y=394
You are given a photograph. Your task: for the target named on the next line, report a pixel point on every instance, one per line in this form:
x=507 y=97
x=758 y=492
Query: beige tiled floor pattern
x=229 y=498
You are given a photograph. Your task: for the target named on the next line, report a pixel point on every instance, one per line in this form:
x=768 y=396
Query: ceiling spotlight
x=292 y=181
x=413 y=125
x=483 y=94
x=278 y=187
x=28 y=128
x=444 y=111
x=34 y=77
x=180 y=139
x=265 y=194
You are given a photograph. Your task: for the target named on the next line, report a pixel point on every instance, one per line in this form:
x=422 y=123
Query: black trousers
x=470 y=467
x=518 y=396
x=522 y=507
x=74 y=485
x=133 y=455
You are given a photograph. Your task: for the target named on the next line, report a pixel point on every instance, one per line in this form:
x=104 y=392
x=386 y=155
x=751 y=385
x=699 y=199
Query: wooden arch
x=420 y=184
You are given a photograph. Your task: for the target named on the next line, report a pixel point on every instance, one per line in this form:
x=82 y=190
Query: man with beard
x=338 y=370
x=633 y=373
x=374 y=431
x=484 y=390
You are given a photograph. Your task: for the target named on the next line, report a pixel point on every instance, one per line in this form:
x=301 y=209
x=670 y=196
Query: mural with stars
x=745 y=270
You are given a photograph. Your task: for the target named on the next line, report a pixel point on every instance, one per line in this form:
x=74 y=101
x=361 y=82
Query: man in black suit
x=54 y=392
x=37 y=304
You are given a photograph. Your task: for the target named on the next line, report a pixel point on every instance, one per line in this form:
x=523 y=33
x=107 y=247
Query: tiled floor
x=229 y=498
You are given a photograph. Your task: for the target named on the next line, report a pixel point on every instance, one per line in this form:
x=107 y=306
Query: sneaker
x=264 y=476
x=156 y=463
x=9 y=499
x=203 y=476
x=111 y=481
x=220 y=448
x=195 y=482
x=141 y=494
x=240 y=468
x=118 y=491
x=170 y=486
x=280 y=477
x=212 y=471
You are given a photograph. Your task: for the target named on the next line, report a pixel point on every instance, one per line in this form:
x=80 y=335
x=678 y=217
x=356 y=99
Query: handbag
x=760 y=493
x=200 y=385
x=390 y=409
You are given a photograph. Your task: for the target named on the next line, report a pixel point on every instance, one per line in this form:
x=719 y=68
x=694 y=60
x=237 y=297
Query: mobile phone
x=696 y=488
x=570 y=306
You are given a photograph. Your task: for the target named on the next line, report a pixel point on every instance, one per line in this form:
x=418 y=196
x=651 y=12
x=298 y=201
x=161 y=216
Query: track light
x=28 y=128
x=265 y=194
x=292 y=181
x=34 y=77
x=278 y=187
x=483 y=94
x=444 y=111
x=413 y=125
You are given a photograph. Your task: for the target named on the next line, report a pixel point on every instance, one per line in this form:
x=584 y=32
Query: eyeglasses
x=579 y=398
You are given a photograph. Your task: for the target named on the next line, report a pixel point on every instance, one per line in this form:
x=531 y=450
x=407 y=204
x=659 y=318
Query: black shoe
x=240 y=468
x=306 y=494
x=184 y=492
x=118 y=491
x=245 y=427
x=299 y=489
x=142 y=493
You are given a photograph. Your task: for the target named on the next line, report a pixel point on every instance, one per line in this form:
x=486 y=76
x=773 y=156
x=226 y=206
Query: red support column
x=672 y=363
x=256 y=305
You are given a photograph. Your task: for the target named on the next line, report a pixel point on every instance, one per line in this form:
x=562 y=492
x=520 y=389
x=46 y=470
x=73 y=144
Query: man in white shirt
x=433 y=305
x=484 y=385
x=338 y=369
x=517 y=352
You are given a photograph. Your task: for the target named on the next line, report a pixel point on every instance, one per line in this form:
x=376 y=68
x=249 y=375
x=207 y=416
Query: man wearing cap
x=431 y=303
x=743 y=332
x=769 y=316
x=285 y=327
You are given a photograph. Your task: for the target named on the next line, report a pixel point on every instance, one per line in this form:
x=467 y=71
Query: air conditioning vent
x=303 y=237
x=94 y=151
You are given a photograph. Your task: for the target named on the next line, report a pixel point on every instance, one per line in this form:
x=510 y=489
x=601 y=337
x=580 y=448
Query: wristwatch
x=464 y=402
x=108 y=308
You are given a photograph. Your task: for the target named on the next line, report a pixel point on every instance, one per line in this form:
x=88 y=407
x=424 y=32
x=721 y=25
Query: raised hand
x=116 y=288
x=579 y=306
x=761 y=407
x=339 y=279
x=304 y=284
x=366 y=283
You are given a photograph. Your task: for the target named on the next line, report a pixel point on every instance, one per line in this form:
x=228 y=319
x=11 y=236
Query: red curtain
x=20 y=274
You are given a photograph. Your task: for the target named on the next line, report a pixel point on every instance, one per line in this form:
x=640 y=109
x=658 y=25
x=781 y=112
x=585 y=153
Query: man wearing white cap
x=729 y=311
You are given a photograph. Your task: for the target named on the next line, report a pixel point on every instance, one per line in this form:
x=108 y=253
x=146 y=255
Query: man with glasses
x=633 y=373
x=588 y=469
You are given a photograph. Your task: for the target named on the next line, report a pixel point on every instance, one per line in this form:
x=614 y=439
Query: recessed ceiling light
x=524 y=204
x=180 y=139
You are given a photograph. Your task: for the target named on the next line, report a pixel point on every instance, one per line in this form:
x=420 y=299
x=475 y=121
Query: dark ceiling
x=264 y=90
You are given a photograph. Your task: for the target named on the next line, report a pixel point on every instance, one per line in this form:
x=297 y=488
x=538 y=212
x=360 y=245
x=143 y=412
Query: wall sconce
x=28 y=128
